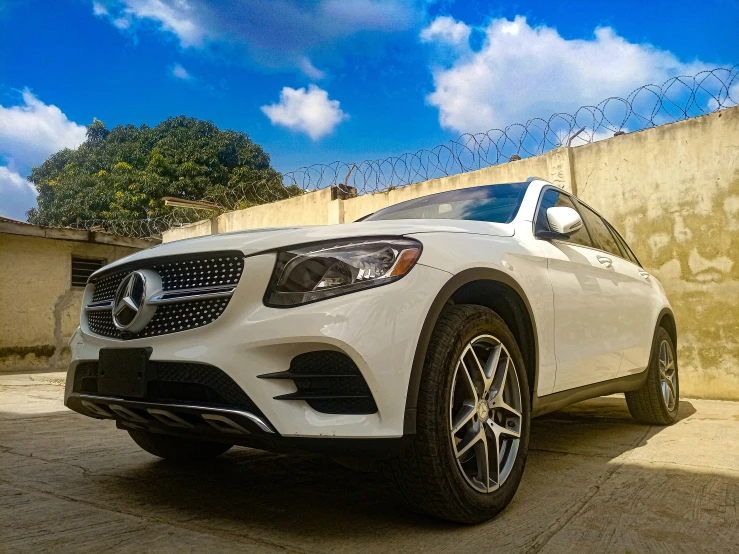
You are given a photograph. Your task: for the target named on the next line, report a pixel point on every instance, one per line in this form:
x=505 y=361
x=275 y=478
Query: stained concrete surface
x=595 y=482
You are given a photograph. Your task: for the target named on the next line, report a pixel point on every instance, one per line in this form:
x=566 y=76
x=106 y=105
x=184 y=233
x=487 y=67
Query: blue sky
x=324 y=80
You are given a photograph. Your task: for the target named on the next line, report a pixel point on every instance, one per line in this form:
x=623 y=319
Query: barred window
x=82 y=268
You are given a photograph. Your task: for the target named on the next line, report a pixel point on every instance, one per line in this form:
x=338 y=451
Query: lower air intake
x=178 y=382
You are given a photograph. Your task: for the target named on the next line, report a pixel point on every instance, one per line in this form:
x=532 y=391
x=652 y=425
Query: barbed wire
x=648 y=106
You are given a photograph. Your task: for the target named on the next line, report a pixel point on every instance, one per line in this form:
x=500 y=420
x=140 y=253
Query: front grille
x=330 y=382
x=202 y=270
x=197 y=271
x=178 y=382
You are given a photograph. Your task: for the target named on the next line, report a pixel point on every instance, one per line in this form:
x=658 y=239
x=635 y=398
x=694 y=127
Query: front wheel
x=469 y=452
x=657 y=402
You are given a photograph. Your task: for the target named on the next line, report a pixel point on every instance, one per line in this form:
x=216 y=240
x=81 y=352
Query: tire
x=177 y=448
x=649 y=404
x=430 y=475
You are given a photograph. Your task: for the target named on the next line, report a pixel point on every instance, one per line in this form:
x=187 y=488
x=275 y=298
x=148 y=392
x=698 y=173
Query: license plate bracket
x=124 y=371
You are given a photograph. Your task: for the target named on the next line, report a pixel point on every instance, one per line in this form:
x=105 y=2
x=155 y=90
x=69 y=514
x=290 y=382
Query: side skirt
x=558 y=400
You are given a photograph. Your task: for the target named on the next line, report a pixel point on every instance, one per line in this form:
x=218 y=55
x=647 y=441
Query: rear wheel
x=177 y=448
x=468 y=455
x=657 y=402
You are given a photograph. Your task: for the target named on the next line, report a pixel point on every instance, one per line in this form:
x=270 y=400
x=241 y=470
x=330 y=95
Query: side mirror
x=563 y=221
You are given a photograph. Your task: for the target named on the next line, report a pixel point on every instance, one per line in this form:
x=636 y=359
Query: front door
x=587 y=316
x=586 y=305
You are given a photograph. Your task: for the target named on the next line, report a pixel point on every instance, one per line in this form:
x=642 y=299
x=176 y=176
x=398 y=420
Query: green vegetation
x=123 y=173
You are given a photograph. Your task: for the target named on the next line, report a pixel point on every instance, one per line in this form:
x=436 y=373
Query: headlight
x=319 y=271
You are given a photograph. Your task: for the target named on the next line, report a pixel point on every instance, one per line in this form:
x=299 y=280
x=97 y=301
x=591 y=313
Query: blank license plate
x=123 y=371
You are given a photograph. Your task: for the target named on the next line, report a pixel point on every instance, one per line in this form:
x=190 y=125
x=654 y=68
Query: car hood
x=254 y=241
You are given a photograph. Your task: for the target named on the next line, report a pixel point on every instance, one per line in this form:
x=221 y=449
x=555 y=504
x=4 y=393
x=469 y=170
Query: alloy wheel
x=667 y=375
x=485 y=413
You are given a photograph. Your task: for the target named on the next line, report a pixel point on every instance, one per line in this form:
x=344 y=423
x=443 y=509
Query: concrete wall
x=354 y=208
x=39 y=309
x=673 y=191
x=308 y=209
x=317 y=208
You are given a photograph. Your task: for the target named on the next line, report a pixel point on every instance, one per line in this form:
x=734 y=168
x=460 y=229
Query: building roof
x=11 y=226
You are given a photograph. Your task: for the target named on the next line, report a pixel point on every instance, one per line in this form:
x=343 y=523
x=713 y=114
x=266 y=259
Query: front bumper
x=377 y=328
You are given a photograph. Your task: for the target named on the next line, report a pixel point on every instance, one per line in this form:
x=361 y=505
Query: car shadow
x=595 y=481
x=311 y=498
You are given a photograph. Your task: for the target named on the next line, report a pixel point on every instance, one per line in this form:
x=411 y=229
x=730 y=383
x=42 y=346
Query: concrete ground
x=595 y=482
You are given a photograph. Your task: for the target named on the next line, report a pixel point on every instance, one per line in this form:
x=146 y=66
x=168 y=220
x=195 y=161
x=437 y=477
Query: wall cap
x=10 y=226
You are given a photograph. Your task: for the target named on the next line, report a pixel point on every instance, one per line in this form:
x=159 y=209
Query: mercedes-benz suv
x=425 y=336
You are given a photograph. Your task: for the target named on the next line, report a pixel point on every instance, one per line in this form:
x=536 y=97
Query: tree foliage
x=123 y=173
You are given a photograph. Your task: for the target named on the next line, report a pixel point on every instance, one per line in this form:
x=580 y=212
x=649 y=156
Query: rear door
x=586 y=304
x=640 y=308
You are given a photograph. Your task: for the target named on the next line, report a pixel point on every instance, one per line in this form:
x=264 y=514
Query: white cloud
x=98 y=9
x=16 y=194
x=521 y=72
x=311 y=70
x=122 y=23
x=180 y=72
x=446 y=29
x=303 y=27
x=179 y=17
x=307 y=111
x=29 y=133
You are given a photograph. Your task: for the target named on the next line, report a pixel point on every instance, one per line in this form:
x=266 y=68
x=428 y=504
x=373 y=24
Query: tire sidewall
x=487 y=323
x=659 y=336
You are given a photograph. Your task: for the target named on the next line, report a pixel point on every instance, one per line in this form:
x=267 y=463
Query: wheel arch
x=487 y=287
x=666 y=320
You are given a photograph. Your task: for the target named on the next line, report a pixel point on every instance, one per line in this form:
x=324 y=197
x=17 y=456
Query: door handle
x=644 y=274
x=605 y=260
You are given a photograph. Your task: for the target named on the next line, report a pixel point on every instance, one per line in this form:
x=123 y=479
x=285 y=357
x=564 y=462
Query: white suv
x=425 y=336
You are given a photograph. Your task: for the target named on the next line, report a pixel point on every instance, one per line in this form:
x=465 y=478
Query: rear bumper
x=377 y=328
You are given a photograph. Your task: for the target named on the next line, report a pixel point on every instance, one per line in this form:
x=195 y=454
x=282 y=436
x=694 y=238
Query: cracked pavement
x=595 y=482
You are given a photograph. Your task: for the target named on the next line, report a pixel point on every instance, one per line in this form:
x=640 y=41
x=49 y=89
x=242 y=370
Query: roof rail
x=534 y=178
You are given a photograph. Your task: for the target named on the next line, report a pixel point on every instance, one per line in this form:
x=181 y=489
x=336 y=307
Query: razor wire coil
x=648 y=106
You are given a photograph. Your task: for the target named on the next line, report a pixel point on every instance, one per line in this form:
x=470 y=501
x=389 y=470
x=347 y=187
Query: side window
x=551 y=199
x=624 y=247
x=602 y=236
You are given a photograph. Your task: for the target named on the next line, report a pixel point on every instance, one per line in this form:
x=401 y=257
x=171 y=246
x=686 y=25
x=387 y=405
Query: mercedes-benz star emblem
x=131 y=312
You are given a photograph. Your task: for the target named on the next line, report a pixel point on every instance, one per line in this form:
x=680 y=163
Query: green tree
x=123 y=173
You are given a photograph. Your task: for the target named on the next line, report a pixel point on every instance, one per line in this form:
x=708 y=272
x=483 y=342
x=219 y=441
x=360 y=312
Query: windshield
x=494 y=203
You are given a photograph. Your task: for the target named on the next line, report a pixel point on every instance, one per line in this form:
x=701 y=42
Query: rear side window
x=628 y=254
x=602 y=236
x=552 y=199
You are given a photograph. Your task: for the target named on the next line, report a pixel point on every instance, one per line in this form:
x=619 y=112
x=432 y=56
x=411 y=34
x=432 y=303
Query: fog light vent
x=330 y=382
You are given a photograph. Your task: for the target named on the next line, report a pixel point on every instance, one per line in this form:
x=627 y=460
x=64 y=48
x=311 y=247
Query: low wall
x=39 y=309
x=672 y=190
